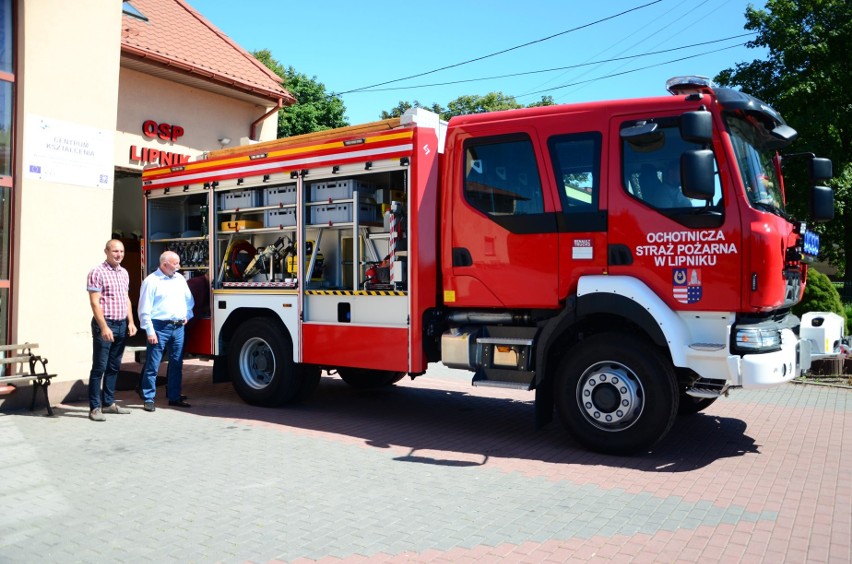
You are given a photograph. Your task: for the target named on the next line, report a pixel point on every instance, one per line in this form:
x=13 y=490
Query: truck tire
x=615 y=393
x=260 y=362
x=690 y=405
x=364 y=379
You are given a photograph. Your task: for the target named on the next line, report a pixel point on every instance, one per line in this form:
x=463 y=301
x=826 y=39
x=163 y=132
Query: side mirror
x=821 y=170
x=822 y=203
x=696 y=127
x=697 y=174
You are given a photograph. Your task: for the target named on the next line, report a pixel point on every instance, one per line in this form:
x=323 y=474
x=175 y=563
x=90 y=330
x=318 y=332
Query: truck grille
x=793 y=278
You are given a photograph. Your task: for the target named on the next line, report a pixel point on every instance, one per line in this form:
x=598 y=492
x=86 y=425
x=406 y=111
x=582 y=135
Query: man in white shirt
x=165 y=306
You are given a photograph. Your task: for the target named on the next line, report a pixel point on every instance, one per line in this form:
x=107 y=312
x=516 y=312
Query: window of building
x=6 y=50
x=129 y=9
x=7 y=94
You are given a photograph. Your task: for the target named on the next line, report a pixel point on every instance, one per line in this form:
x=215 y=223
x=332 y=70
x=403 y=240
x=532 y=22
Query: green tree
x=468 y=104
x=475 y=104
x=315 y=110
x=403 y=106
x=807 y=76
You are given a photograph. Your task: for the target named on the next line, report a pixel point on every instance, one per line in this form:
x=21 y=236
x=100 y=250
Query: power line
x=569 y=67
x=662 y=34
x=499 y=52
x=633 y=70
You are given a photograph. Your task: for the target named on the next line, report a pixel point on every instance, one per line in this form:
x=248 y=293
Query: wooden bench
x=14 y=360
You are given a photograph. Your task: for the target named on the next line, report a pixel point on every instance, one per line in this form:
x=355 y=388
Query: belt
x=170 y=322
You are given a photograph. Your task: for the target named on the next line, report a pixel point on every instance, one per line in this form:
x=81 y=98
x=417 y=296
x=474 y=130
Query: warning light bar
x=680 y=85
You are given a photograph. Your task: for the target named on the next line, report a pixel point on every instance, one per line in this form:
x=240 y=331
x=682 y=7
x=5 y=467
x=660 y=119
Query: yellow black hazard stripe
x=354 y=293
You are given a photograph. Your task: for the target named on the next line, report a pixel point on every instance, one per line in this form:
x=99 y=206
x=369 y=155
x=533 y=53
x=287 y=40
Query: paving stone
x=427 y=471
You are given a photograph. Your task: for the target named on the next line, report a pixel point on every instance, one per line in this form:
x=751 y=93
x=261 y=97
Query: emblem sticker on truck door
x=686 y=285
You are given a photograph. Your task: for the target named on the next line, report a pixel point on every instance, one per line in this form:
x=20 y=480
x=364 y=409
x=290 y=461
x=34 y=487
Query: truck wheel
x=364 y=379
x=615 y=394
x=260 y=362
x=690 y=405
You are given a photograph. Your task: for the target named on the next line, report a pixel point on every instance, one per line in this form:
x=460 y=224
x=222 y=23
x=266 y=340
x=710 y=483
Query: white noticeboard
x=67 y=153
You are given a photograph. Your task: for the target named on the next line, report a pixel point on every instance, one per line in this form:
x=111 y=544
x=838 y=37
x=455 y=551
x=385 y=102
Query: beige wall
x=205 y=117
x=68 y=71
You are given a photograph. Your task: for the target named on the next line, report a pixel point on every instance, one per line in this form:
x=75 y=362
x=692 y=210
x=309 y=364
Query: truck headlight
x=758 y=339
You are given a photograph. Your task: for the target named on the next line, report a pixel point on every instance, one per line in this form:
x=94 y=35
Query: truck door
x=686 y=250
x=576 y=162
x=503 y=232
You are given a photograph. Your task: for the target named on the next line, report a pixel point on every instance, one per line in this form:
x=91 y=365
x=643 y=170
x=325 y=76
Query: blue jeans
x=106 y=362
x=169 y=335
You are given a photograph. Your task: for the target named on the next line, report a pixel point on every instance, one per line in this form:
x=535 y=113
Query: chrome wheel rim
x=257 y=363
x=610 y=396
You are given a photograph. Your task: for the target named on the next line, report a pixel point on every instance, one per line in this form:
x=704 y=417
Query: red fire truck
x=627 y=260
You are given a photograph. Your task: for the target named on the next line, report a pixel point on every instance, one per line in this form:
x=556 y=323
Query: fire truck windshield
x=756 y=162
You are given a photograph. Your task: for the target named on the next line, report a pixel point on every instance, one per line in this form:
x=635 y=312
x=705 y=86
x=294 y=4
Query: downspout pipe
x=256 y=123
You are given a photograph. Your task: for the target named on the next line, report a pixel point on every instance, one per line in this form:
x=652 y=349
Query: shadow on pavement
x=458 y=428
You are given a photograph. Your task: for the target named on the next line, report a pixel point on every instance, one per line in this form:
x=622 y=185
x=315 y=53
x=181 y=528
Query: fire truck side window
x=651 y=168
x=501 y=176
x=577 y=163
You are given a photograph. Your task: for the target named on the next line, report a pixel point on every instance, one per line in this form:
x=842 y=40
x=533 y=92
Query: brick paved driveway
x=427 y=471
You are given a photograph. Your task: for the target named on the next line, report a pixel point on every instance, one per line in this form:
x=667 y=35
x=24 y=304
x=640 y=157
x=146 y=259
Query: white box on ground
x=824 y=329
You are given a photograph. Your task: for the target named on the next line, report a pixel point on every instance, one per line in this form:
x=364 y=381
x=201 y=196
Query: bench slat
x=21 y=346
x=9 y=379
x=14 y=359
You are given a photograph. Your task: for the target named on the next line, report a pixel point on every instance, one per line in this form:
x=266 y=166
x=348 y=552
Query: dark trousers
x=106 y=362
x=169 y=338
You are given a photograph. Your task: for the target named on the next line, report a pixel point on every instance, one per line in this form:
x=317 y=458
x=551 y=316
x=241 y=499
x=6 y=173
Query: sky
x=574 y=51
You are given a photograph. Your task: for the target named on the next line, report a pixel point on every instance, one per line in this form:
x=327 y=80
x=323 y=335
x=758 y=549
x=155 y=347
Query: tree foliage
x=807 y=76
x=468 y=104
x=404 y=106
x=315 y=110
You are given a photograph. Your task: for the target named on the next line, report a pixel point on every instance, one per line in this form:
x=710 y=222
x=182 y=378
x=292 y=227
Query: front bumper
x=771 y=369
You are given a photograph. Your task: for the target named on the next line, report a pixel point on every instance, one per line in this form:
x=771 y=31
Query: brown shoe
x=114 y=408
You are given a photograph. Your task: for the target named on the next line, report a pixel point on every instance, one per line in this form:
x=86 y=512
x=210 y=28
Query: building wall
x=69 y=75
x=68 y=72
x=204 y=117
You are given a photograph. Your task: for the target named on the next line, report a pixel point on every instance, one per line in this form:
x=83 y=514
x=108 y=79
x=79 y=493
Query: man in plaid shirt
x=112 y=323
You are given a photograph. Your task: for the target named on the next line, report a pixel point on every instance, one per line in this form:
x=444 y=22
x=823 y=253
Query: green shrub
x=847 y=308
x=821 y=295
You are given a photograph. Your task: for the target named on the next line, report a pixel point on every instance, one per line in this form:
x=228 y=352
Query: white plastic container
x=342 y=213
x=275 y=195
x=340 y=190
x=824 y=330
x=239 y=199
x=284 y=217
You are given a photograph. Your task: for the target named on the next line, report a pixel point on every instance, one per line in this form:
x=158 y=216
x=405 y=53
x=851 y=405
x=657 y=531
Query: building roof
x=178 y=43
